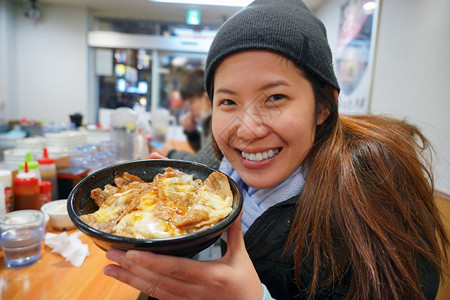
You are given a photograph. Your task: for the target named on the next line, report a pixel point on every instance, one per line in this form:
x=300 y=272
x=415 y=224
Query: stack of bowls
x=13 y=157
x=31 y=143
x=65 y=139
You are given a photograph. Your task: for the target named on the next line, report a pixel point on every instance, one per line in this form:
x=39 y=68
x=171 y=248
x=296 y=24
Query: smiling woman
x=256 y=125
x=334 y=206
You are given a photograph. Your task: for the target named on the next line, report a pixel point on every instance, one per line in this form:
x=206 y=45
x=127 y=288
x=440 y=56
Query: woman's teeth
x=260 y=155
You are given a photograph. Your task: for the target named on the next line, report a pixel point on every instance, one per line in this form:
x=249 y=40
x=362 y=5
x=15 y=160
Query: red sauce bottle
x=47 y=168
x=26 y=190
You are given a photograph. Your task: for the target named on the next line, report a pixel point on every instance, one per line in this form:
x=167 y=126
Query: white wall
x=6 y=58
x=51 y=57
x=412 y=69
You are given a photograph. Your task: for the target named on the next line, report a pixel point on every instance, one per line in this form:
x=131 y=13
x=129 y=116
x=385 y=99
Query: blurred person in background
x=176 y=105
x=196 y=122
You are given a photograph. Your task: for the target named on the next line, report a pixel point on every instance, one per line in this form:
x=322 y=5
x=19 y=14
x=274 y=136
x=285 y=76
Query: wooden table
x=54 y=278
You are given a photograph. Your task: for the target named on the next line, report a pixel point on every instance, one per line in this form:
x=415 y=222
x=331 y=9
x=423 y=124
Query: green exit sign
x=193 y=17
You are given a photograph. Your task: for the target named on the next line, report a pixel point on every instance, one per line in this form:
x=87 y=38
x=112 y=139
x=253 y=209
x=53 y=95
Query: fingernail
x=131 y=254
x=112 y=255
x=109 y=272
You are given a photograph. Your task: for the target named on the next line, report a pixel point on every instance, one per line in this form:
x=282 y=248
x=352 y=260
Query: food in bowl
x=172 y=204
x=80 y=203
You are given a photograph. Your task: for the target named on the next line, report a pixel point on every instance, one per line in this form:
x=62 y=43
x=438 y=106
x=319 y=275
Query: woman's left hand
x=168 y=277
x=155 y=155
x=164 y=151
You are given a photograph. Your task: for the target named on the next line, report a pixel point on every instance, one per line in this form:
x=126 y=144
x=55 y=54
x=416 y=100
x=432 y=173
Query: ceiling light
x=370 y=6
x=33 y=11
x=209 y=2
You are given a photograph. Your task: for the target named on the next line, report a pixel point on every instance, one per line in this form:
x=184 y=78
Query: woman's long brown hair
x=368 y=208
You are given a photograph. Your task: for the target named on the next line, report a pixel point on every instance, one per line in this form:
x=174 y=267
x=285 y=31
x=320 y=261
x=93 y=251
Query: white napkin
x=69 y=246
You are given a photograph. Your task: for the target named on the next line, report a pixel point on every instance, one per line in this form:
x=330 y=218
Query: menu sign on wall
x=354 y=54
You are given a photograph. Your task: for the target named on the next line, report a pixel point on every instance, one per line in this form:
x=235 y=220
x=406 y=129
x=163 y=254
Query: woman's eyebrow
x=274 y=84
x=262 y=88
x=226 y=91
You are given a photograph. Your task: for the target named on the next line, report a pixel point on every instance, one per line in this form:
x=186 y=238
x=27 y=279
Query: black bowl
x=80 y=203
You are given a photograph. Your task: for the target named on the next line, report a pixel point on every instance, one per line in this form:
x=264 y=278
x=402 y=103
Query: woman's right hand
x=167 y=277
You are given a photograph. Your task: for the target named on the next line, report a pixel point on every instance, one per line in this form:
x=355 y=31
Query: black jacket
x=265 y=241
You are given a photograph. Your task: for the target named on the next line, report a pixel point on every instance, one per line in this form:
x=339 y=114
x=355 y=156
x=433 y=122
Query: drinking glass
x=22 y=232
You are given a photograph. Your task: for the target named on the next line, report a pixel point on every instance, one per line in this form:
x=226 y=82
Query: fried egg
x=173 y=204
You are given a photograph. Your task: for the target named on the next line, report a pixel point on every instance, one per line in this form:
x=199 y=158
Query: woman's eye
x=227 y=102
x=275 y=98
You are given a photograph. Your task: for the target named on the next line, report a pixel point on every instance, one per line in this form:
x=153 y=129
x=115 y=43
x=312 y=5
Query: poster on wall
x=354 y=54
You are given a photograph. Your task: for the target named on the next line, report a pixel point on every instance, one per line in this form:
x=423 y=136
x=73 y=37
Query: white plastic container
x=2 y=200
x=59 y=217
x=6 y=180
x=123 y=122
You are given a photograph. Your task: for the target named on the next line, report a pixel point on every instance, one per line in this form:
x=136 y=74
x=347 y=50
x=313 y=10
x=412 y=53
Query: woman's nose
x=252 y=124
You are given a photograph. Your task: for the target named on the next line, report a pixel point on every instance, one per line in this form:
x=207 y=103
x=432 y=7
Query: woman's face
x=263 y=116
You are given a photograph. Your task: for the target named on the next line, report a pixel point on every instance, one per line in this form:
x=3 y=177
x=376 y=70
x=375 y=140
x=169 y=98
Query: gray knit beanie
x=284 y=26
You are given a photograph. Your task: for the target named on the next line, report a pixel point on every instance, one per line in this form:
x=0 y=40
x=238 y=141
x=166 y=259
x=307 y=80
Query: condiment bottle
x=47 y=168
x=6 y=179
x=33 y=166
x=2 y=200
x=140 y=146
x=45 y=192
x=26 y=190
